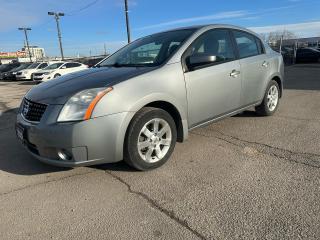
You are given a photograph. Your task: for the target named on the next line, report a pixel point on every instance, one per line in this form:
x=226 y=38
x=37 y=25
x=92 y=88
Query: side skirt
x=216 y=119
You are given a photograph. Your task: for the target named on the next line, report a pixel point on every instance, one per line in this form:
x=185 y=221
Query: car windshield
x=33 y=65
x=3 y=66
x=148 y=51
x=53 y=66
x=23 y=66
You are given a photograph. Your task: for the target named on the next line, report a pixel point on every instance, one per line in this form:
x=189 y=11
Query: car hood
x=58 y=91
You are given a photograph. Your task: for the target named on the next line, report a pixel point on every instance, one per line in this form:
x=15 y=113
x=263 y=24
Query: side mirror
x=200 y=60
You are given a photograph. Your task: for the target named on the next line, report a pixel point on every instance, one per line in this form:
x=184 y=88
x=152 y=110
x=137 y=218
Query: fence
x=289 y=47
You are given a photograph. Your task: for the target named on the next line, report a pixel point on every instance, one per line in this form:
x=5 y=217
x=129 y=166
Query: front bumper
x=87 y=143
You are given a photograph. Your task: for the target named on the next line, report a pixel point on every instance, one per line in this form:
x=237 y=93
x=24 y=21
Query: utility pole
x=127 y=20
x=27 y=41
x=281 y=42
x=105 y=49
x=57 y=16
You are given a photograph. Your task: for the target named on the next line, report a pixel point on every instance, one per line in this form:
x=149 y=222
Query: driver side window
x=214 y=43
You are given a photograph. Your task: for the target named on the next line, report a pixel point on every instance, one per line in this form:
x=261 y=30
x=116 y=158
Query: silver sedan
x=136 y=104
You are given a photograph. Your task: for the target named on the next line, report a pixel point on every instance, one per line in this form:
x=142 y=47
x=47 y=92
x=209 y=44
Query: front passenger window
x=214 y=43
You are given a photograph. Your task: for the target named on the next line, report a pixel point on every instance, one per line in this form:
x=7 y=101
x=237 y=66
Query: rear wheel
x=150 y=139
x=270 y=102
x=56 y=75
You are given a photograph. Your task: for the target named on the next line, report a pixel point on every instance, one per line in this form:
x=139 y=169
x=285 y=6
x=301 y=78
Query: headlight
x=81 y=105
x=25 y=72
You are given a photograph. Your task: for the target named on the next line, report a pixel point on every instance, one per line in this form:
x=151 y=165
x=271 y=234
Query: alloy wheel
x=273 y=98
x=154 y=140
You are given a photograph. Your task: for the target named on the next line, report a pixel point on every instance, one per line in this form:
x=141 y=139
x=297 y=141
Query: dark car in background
x=90 y=62
x=307 y=55
x=11 y=75
x=7 y=67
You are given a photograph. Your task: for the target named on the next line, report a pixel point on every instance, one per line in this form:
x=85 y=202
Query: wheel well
x=278 y=80
x=172 y=110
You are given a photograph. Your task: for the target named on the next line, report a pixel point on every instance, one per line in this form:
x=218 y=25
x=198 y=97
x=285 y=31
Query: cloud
x=238 y=14
x=217 y=16
x=305 y=29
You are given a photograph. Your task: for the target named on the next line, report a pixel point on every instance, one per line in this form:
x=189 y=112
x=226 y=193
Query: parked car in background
x=26 y=74
x=11 y=75
x=138 y=102
x=58 y=69
x=306 y=55
x=7 y=67
x=94 y=61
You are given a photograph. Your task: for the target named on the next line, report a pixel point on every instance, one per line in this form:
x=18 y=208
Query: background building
x=36 y=52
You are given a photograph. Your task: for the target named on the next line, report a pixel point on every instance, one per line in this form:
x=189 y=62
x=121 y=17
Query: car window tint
x=246 y=43
x=69 y=65
x=214 y=43
x=43 y=65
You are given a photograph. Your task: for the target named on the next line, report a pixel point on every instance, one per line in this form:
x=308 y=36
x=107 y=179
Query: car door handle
x=265 y=64
x=234 y=73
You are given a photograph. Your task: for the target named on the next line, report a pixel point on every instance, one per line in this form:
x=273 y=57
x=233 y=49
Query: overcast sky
x=89 y=24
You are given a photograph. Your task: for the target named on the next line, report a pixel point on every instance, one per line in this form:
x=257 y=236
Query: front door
x=213 y=89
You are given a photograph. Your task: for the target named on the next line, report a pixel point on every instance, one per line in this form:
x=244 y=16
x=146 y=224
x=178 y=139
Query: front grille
x=32 y=111
x=19 y=73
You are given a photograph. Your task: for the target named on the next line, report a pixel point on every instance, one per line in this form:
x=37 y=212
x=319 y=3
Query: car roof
x=198 y=27
x=211 y=26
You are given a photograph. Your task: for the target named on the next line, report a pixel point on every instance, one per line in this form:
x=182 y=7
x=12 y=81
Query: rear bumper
x=87 y=142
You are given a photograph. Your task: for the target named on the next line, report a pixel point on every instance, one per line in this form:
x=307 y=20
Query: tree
x=274 y=37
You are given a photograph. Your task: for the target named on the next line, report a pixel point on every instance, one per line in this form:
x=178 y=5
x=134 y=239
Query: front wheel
x=150 y=139
x=57 y=75
x=270 y=102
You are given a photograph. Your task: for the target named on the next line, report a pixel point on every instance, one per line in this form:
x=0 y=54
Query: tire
x=155 y=148
x=56 y=75
x=269 y=107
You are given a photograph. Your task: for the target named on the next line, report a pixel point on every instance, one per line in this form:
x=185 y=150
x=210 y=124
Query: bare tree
x=274 y=37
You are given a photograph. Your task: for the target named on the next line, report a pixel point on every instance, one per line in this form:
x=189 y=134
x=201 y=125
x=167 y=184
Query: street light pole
x=57 y=18
x=127 y=20
x=27 y=41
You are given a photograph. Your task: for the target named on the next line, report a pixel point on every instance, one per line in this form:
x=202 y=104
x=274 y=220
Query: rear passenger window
x=247 y=44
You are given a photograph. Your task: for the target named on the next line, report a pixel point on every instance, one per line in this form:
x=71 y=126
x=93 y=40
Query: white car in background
x=27 y=73
x=58 y=69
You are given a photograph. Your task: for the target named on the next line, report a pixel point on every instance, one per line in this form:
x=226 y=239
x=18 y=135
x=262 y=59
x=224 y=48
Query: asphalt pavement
x=245 y=177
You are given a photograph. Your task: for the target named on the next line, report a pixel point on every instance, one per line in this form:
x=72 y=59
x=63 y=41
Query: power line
x=82 y=9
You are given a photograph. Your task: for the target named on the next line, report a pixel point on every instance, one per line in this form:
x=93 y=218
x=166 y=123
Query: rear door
x=255 y=67
x=213 y=89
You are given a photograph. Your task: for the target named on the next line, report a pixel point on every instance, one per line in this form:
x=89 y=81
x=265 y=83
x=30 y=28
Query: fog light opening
x=64 y=155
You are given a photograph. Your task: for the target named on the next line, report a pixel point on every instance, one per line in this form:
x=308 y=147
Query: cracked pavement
x=245 y=177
